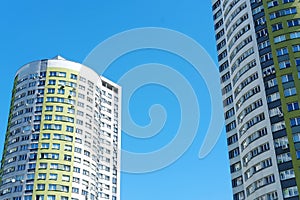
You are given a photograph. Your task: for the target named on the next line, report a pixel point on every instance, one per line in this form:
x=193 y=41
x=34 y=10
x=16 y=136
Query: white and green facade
x=63 y=134
x=258 y=45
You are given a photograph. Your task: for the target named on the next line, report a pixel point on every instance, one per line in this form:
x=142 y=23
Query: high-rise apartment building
x=63 y=134
x=258 y=45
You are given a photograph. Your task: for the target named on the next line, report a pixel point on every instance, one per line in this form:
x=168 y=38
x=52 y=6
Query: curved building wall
x=63 y=135
x=257 y=53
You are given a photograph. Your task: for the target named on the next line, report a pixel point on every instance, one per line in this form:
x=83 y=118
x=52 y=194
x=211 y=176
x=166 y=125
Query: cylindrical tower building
x=63 y=134
x=258 y=54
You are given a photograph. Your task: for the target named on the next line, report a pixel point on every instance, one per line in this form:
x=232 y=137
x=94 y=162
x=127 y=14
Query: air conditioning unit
x=285 y=146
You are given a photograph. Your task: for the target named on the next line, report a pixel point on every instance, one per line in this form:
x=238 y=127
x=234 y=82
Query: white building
x=259 y=63
x=63 y=136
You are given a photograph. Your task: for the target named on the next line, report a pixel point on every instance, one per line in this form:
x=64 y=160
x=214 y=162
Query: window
x=73 y=76
x=287 y=174
x=243 y=70
x=279 y=38
x=81 y=87
x=219 y=34
x=50 y=99
x=68 y=148
x=52 y=176
x=67 y=157
x=65 y=178
x=51 y=197
x=295 y=121
x=59 y=108
x=277 y=111
x=43 y=166
x=237 y=181
x=75 y=190
x=229 y=113
x=42 y=176
x=52 y=73
x=221 y=44
x=293 y=22
x=222 y=55
x=55 y=146
x=228 y=101
x=61 y=74
x=40 y=186
x=85 y=172
x=262 y=33
x=235 y=167
x=294 y=35
x=285 y=64
x=76 y=180
x=226 y=89
x=218 y=24
x=282 y=51
x=272 y=83
x=51 y=90
x=78 y=150
x=260 y=183
x=52 y=187
x=260 y=21
x=287 y=1
x=276 y=27
x=60 y=91
x=80 y=104
x=225 y=77
x=70 y=129
x=49 y=108
x=234 y=153
x=296 y=137
x=272 y=3
x=278 y=126
x=21 y=167
x=287 y=78
x=232 y=139
x=52 y=82
x=266 y=57
x=263 y=44
x=87 y=153
x=281 y=142
x=296 y=48
x=290 y=192
x=297 y=62
x=230 y=126
x=290 y=92
x=283 y=12
x=76 y=169
x=48 y=117
x=273 y=97
x=29 y=187
x=45 y=145
x=258 y=10
x=46 y=136
x=293 y=106
x=285 y=157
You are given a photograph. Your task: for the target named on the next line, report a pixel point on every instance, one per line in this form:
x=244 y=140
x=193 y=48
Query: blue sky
x=31 y=30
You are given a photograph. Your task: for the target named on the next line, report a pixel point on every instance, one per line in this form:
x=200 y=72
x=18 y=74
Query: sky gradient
x=31 y=30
